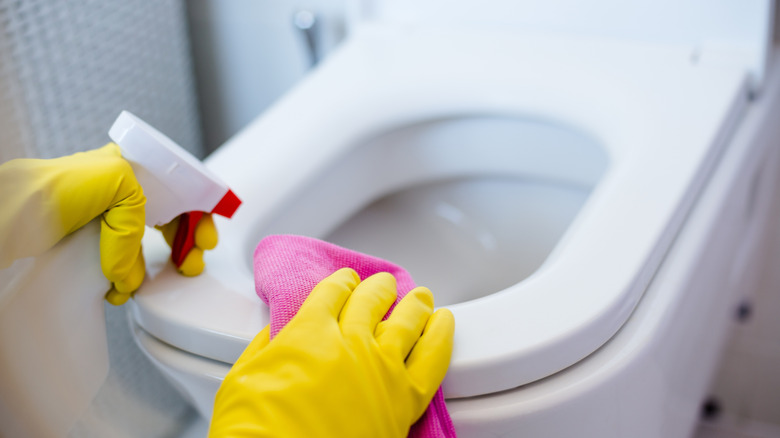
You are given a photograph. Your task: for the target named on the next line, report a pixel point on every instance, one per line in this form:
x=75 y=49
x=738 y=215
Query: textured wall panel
x=68 y=67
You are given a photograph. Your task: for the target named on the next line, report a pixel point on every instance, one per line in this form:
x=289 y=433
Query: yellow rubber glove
x=205 y=239
x=336 y=369
x=42 y=201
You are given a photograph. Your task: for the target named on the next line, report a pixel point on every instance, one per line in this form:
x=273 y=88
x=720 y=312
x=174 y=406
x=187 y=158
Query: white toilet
x=585 y=189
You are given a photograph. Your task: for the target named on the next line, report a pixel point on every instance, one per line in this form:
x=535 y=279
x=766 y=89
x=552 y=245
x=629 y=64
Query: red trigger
x=185 y=236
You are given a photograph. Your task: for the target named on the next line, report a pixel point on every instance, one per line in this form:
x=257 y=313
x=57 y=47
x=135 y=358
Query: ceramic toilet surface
x=636 y=128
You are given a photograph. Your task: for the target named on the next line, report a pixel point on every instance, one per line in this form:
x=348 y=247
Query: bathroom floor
x=729 y=428
x=722 y=428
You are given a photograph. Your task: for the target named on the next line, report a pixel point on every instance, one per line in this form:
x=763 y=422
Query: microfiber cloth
x=288 y=267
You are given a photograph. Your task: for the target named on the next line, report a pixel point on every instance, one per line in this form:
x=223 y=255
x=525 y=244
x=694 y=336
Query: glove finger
x=429 y=359
x=169 y=230
x=122 y=228
x=403 y=327
x=121 y=291
x=369 y=303
x=193 y=263
x=135 y=276
x=206 y=233
x=117 y=298
x=330 y=294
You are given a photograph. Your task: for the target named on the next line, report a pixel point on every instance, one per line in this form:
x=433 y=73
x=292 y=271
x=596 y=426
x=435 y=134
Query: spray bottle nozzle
x=174 y=181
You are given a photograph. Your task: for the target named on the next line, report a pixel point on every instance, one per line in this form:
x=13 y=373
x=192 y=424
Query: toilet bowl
x=573 y=201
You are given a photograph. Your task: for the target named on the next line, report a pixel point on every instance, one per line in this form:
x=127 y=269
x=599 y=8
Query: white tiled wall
x=738 y=429
x=747 y=386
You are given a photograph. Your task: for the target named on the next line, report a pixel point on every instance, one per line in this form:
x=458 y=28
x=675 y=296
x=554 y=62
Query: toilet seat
x=661 y=117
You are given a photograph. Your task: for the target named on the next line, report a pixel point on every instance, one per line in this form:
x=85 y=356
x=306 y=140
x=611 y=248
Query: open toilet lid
x=663 y=119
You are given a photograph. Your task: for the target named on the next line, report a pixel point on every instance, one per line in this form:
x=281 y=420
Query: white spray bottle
x=174 y=182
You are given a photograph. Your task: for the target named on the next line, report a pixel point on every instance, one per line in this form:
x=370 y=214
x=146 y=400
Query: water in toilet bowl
x=465 y=238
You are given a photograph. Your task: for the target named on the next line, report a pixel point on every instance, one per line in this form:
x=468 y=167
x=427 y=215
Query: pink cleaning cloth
x=288 y=267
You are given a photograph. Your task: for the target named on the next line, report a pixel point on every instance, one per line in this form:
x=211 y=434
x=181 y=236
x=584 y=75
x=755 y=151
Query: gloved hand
x=45 y=200
x=205 y=239
x=42 y=201
x=336 y=369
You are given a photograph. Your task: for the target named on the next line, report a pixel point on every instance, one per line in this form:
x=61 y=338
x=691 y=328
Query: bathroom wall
x=248 y=53
x=776 y=27
x=67 y=69
x=746 y=390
